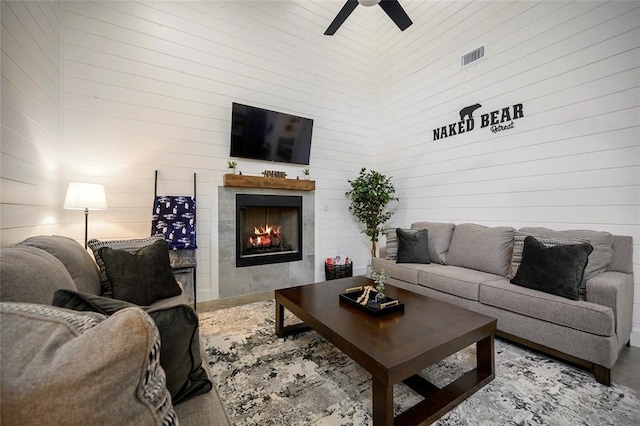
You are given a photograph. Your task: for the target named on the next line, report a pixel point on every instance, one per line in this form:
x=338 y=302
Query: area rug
x=304 y=380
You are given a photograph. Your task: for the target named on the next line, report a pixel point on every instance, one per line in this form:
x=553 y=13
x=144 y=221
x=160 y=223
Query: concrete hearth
x=234 y=281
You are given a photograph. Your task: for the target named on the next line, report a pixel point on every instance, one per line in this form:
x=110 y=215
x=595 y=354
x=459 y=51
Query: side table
x=183 y=263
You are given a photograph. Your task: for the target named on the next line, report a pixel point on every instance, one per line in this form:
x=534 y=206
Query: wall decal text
x=499 y=120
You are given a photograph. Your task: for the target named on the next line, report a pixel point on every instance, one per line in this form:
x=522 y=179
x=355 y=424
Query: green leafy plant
x=305 y=172
x=232 y=164
x=380 y=277
x=370 y=194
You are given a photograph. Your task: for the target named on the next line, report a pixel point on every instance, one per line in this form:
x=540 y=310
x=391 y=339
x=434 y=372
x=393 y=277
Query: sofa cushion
x=439 y=239
x=400 y=272
x=74 y=257
x=413 y=246
x=31 y=275
x=131 y=246
x=602 y=243
x=557 y=270
x=518 y=247
x=61 y=367
x=142 y=277
x=481 y=248
x=584 y=316
x=180 y=350
x=461 y=282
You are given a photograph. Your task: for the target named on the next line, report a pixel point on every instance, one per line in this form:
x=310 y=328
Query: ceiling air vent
x=471 y=57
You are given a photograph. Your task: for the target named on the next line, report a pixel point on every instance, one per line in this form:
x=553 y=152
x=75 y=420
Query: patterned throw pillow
x=518 y=247
x=130 y=246
x=72 y=362
x=392 y=243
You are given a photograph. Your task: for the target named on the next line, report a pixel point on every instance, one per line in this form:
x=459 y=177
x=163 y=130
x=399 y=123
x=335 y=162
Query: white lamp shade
x=82 y=196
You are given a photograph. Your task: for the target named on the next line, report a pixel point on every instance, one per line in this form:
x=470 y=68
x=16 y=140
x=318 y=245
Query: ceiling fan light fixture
x=368 y=3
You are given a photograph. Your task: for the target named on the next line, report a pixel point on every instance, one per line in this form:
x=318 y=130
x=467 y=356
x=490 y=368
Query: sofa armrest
x=615 y=290
x=382 y=252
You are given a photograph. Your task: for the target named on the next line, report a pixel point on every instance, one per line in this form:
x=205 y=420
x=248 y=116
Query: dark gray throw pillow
x=179 y=340
x=556 y=270
x=413 y=246
x=142 y=277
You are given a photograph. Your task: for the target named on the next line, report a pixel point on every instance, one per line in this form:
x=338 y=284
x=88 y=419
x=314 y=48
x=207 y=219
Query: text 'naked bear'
x=493 y=118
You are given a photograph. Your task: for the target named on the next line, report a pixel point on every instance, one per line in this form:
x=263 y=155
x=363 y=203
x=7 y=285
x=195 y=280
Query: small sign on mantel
x=274 y=174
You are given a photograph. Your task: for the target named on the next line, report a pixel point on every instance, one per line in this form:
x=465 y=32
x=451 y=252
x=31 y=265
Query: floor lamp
x=85 y=196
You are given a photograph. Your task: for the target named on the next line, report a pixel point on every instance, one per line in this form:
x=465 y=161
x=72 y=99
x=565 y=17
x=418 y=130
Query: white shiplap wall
x=30 y=139
x=572 y=161
x=149 y=85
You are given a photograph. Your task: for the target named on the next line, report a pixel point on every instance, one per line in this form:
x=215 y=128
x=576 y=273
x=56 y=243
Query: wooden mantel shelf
x=268 y=182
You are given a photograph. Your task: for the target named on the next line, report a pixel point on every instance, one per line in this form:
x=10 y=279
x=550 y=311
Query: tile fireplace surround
x=235 y=281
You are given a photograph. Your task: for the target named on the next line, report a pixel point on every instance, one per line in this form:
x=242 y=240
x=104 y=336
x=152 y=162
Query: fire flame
x=264 y=236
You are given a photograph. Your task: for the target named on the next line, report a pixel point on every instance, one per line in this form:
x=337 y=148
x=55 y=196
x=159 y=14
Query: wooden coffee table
x=395 y=347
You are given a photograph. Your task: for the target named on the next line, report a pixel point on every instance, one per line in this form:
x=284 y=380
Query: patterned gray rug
x=304 y=380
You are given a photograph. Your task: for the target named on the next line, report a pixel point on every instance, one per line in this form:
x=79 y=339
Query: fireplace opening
x=268 y=229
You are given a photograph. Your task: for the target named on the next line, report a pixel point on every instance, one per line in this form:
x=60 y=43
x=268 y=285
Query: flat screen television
x=261 y=134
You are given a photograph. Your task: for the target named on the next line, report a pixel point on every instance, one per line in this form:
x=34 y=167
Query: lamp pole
x=86 y=226
x=85 y=196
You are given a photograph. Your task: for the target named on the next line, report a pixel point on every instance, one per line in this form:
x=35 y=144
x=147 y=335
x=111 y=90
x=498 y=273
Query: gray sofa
x=469 y=266
x=99 y=381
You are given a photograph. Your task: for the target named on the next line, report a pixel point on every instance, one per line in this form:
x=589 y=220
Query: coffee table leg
x=485 y=360
x=281 y=330
x=382 y=403
x=279 y=319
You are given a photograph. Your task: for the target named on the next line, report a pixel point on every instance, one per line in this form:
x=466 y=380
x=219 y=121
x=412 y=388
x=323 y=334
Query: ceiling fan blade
x=344 y=13
x=396 y=13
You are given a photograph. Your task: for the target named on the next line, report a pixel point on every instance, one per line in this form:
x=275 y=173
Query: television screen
x=261 y=134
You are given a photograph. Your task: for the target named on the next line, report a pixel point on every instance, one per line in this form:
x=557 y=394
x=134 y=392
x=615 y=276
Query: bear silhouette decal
x=468 y=111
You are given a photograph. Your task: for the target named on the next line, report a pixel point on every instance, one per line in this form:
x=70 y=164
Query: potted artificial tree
x=370 y=194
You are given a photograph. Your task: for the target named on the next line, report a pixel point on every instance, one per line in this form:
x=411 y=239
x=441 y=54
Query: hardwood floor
x=626 y=371
x=216 y=305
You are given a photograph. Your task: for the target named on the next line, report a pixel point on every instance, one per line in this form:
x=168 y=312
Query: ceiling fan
x=391 y=8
